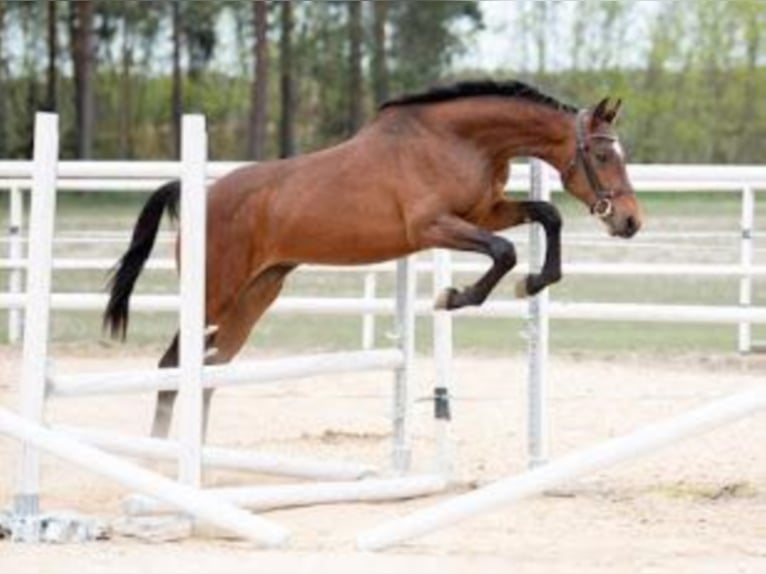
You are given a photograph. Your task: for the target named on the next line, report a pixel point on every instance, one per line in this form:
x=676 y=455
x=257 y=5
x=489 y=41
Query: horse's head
x=596 y=174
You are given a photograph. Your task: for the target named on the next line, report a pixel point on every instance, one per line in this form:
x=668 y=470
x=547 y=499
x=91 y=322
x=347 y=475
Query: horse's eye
x=601 y=156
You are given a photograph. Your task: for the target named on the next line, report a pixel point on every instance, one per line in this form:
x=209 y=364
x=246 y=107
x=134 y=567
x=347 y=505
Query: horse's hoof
x=444 y=300
x=521 y=290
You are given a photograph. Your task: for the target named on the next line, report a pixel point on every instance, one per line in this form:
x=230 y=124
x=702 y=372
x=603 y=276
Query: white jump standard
x=83 y=446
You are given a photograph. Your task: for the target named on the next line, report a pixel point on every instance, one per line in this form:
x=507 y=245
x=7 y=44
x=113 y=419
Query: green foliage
x=426 y=37
x=694 y=86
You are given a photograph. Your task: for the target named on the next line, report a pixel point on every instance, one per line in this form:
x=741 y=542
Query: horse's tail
x=128 y=268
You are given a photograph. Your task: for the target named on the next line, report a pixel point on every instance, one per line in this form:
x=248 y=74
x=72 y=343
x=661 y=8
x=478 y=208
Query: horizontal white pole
x=89 y=264
x=558 y=472
x=605 y=269
x=115 y=169
x=221 y=457
x=239 y=373
x=261 y=498
x=191 y=500
x=645 y=177
x=641 y=312
x=98 y=184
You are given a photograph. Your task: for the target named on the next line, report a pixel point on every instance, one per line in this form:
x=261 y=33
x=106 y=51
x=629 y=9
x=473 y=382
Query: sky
x=494 y=46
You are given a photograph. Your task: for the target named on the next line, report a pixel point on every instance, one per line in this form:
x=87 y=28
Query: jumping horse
x=429 y=170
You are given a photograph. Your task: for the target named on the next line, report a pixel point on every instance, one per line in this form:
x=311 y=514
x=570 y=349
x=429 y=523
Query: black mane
x=511 y=89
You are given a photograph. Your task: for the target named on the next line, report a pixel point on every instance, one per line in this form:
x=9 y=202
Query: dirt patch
x=699 y=506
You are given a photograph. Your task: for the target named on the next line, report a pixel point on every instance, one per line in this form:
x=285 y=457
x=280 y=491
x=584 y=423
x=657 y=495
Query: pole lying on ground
x=290 y=495
x=222 y=458
x=554 y=473
x=191 y=500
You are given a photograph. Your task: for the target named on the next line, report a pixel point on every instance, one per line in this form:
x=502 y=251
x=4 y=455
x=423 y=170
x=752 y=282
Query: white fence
x=146 y=176
x=39 y=382
x=36 y=380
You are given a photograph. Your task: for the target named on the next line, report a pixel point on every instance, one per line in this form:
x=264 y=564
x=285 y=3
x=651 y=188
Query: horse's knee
x=503 y=252
x=547 y=215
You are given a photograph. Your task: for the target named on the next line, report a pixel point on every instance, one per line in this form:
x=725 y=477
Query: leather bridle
x=602 y=207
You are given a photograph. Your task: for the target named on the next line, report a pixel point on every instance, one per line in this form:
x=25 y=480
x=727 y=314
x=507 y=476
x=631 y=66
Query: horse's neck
x=512 y=127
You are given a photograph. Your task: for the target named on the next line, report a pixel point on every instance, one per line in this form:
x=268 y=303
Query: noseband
x=602 y=207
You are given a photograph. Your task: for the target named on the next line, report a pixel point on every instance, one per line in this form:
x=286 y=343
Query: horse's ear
x=612 y=114
x=599 y=112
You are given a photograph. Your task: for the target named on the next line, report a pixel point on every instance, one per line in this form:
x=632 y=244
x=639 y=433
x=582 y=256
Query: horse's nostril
x=631 y=225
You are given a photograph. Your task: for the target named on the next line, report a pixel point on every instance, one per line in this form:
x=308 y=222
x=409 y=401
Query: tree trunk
x=177 y=96
x=379 y=59
x=287 y=83
x=259 y=94
x=3 y=90
x=126 y=91
x=81 y=25
x=355 y=88
x=50 y=96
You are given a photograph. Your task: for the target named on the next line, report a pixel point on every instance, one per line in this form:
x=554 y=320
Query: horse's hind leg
x=163 y=411
x=233 y=329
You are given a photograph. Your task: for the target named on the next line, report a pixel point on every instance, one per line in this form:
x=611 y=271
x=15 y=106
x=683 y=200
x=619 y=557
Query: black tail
x=128 y=268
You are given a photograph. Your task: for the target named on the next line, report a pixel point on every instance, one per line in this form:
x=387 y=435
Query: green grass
x=665 y=212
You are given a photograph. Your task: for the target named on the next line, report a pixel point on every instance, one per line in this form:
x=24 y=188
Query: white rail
x=237 y=373
x=186 y=498
x=560 y=471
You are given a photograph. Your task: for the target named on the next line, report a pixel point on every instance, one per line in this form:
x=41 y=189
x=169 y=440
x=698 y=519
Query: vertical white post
x=15 y=253
x=368 y=320
x=192 y=323
x=37 y=307
x=537 y=421
x=405 y=335
x=744 y=343
x=442 y=341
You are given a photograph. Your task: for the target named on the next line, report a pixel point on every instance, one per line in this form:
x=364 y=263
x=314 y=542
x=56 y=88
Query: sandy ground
x=699 y=506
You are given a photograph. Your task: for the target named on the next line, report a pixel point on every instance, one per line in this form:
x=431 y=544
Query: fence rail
x=103 y=176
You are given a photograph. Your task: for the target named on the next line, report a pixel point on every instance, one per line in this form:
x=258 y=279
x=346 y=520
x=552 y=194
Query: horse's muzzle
x=625 y=228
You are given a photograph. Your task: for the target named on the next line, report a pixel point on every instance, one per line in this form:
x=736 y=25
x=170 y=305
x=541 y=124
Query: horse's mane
x=511 y=89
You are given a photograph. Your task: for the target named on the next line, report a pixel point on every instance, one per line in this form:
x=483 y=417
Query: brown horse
x=428 y=171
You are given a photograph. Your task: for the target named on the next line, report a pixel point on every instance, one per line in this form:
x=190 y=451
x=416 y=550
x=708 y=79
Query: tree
x=426 y=37
x=3 y=89
x=259 y=94
x=355 y=87
x=177 y=90
x=379 y=57
x=287 y=83
x=50 y=97
x=81 y=32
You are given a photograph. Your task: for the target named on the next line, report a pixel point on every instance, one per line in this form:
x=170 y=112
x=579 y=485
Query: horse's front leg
x=506 y=214
x=547 y=215
x=451 y=232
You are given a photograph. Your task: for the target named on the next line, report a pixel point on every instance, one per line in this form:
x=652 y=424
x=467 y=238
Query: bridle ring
x=603 y=207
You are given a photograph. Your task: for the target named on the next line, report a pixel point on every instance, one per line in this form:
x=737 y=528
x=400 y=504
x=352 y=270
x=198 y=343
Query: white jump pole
x=538 y=331
x=37 y=309
x=222 y=458
x=442 y=349
x=556 y=472
x=238 y=373
x=194 y=501
x=368 y=319
x=744 y=339
x=260 y=498
x=15 y=252
x=192 y=322
x=406 y=290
